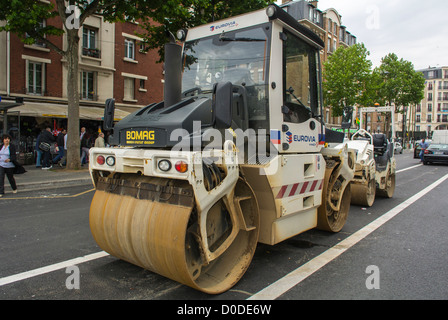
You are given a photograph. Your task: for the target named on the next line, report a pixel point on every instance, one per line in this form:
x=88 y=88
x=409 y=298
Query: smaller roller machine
x=375 y=163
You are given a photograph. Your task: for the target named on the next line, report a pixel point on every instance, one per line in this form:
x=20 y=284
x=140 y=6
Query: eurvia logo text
x=224 y=25
x=299 y=138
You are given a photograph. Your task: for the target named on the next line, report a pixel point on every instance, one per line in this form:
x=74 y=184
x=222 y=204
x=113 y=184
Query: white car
x=398 y=147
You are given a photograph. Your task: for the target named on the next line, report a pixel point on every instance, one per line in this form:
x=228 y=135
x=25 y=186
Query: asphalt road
x=402 y=258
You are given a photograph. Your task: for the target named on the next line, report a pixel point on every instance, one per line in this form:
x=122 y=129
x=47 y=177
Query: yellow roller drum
x=153 y=223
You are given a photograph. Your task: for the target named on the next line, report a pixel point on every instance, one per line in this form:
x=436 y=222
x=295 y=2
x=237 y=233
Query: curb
x=43 y=185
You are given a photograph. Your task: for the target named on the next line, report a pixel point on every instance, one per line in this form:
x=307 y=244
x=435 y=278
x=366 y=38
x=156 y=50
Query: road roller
x=236 y=154
x=375 y=165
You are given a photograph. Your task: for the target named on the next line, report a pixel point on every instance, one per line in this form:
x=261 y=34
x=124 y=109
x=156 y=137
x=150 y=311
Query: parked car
x=417 y=147
x=398 y=148
x=436 y=152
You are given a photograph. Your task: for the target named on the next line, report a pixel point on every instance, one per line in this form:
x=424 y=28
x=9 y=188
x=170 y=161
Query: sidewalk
x=38 y=179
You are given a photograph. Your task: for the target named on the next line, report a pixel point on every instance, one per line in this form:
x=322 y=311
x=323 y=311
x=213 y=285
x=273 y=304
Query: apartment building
x=432 y=112
x=111 y=65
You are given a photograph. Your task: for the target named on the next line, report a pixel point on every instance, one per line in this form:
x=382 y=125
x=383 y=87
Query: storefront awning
x=31 y=109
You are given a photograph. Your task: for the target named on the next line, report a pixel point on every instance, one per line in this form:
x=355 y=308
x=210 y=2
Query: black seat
x=382 y=150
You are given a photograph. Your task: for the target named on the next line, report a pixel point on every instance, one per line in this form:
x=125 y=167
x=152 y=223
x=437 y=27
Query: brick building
x=111 y=65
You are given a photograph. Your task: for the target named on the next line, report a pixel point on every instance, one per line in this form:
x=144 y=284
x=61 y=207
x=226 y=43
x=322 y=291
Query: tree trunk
x=73 y=143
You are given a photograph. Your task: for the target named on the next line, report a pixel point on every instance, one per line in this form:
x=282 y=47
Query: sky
x=414 y=30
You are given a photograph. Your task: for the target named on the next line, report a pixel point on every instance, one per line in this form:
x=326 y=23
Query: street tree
x=398 y=84
x=24 y=17
x=174 y=15
x=347 y=75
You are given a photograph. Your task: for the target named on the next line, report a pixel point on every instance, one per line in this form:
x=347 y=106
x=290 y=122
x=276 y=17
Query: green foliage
x=173 y=15
x=346 y=76
x=399 y=83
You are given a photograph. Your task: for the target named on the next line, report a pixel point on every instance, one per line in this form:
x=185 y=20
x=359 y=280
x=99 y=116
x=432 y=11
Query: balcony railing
x=94 y=53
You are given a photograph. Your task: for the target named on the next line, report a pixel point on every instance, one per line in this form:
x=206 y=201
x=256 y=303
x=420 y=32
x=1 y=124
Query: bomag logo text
x=140 y=137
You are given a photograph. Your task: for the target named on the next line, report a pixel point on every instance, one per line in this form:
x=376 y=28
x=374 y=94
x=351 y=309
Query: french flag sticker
x=275 y=136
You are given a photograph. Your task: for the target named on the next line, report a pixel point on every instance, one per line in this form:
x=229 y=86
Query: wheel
x=363 y=195
x=160 y=232
x=328 y=218
x=388 y=192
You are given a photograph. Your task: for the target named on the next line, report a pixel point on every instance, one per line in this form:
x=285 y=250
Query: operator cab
x=273 y=63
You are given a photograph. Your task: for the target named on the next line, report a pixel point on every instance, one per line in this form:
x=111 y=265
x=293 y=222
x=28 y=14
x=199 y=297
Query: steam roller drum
x=388 y=192
x=329 y=216
x=153 y=223
x=363 y=195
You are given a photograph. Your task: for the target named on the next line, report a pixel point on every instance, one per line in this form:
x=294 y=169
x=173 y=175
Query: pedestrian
x=84 y=137
x=47 y=138
x=60 y=144
x=7 y=160
x=423 y=145
x=38 y=153
x=64 y=159
x=99 y=142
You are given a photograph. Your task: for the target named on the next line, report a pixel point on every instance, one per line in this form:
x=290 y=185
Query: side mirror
x=222 y=105
x=347 y=114
x=109 y=110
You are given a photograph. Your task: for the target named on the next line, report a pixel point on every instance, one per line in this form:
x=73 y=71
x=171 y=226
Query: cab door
x=301 y=132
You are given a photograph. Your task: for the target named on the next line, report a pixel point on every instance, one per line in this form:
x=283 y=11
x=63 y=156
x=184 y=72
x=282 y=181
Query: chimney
x=313 y=2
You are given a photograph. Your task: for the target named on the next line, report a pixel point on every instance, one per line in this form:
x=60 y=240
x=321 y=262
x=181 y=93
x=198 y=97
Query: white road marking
x=51 y=268
x=292 y=279
x=408 y=168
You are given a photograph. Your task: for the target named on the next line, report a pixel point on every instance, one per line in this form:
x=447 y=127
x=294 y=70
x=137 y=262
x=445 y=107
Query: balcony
x=94 y=53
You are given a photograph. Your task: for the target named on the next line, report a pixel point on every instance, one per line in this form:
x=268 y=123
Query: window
x=430 y=96
x=89 y=36
x=129 y=89
x=429 y=107
x=430 y=85
x=35 y=77
x=142 y=84
x=88 y=85
x=300 y=80
x=428 y=118
x=38 y=42
x=417 y=118
x=129 y=46
x=90 y=42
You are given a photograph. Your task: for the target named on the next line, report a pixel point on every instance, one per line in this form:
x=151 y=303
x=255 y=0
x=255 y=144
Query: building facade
x=111 y=65
x=432 y=113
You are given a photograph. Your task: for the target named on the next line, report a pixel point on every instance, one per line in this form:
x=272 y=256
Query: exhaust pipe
x=173 y=74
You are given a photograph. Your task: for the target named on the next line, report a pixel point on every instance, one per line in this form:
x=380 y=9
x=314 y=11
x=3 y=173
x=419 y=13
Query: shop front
x=24 y=123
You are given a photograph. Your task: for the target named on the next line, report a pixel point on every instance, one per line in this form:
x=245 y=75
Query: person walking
x=38 y=153
x=47 y=137
x=60 y=143
x=99 y=142
x=424 y=145
x=85 y=138
x=7 y=160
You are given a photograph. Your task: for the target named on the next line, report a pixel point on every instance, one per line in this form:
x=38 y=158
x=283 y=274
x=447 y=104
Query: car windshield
x=241 y=57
